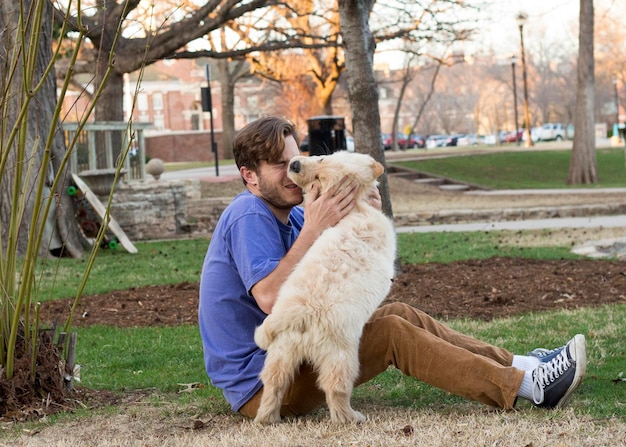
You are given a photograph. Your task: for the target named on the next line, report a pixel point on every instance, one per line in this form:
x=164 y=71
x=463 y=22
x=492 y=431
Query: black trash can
x=327 y=134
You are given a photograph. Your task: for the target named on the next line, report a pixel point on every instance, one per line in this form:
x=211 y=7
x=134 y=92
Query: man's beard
x=273 y=195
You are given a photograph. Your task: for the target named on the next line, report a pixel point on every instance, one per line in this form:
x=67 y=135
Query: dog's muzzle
x=295 y=166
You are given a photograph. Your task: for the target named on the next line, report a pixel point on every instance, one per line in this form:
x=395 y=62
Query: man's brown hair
x=262 y=139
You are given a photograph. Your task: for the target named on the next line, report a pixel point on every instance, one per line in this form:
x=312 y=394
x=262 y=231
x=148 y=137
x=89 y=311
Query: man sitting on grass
x=263 y=233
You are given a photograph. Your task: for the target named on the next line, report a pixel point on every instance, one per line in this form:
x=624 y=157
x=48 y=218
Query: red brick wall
x=184 y=146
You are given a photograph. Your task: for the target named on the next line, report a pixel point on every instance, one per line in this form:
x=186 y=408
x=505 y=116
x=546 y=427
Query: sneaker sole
x=579 y=354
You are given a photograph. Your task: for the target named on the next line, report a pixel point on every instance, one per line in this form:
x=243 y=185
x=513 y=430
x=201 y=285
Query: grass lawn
x=522 y=170
x=164 y=357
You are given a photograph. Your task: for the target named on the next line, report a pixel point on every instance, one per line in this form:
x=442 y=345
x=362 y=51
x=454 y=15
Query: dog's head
x=328 y=170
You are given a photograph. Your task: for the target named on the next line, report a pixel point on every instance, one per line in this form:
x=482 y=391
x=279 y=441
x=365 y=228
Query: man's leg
x=423 y=348
x=398 y=334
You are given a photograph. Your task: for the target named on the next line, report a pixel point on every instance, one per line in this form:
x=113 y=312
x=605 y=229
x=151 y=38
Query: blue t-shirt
x=247 y=245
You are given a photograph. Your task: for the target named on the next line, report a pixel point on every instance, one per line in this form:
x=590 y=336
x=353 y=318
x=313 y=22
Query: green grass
x=161 y=358
x=522 y=170
x=155 y=263
x=448 y=247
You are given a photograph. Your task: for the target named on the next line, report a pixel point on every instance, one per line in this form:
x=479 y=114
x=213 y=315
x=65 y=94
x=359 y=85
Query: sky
x=548 y=20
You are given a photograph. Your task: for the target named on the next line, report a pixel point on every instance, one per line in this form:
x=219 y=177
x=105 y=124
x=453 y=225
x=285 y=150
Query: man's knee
x=395 y=308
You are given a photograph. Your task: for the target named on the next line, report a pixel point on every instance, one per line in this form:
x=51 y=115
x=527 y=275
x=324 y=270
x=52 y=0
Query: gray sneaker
x=555 y=381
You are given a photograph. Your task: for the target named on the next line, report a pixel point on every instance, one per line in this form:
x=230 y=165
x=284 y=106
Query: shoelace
x=547 y=373
x=543 y=352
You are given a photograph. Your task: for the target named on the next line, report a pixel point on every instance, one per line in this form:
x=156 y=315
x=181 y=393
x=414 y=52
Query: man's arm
x=321 y=211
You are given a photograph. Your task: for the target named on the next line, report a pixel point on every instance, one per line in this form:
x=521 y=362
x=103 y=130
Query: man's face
x=273 y=184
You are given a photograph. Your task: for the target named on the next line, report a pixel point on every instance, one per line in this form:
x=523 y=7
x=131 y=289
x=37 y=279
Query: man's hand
x=322 y=211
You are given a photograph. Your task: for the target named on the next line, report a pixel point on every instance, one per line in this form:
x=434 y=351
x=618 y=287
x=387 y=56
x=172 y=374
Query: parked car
x=510 y=136
x=451 y=140
x=471 y=139
x=415 y=141
x=434 y=141
x=551 y=132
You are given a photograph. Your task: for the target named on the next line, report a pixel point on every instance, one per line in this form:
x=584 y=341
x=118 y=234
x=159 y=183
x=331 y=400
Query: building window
x=196 y=117
x=142 y=102
x=157 y=101
x=195 y=121
x=159 y=121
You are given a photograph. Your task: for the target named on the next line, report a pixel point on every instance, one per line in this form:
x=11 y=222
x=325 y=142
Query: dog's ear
x=377 y=169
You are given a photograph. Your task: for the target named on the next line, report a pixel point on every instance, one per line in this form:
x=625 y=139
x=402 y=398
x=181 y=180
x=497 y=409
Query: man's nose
x=295 y=166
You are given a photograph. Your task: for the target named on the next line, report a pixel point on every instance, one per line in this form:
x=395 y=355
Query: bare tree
x=583 y=167
x=14 y=178
x=359 y=45
x=319 y=67
x=155 y=42
x=407 y=75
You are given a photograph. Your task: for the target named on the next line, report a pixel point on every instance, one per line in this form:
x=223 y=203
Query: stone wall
x=157 y=210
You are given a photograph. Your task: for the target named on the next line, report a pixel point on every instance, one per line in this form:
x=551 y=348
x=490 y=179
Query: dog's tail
x=264 y=334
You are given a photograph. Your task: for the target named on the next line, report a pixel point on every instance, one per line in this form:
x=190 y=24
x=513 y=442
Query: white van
x=554 y=131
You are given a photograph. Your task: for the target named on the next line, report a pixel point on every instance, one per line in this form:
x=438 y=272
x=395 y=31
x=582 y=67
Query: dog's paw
x=267 y=418
x=359 y=417
x=353 y=417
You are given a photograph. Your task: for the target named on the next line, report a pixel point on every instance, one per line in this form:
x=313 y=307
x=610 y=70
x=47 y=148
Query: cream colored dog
x=321 y=309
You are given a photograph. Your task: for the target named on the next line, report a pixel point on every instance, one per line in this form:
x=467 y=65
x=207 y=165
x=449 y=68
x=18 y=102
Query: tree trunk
x=583 y=166
x=359 y=48
x=228 y=105
x=406 y=79
x=40 y=115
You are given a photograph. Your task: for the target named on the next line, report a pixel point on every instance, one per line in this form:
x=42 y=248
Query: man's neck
x=282 y=214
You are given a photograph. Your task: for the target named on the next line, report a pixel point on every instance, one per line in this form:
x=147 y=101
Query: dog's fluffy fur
x=321 y=309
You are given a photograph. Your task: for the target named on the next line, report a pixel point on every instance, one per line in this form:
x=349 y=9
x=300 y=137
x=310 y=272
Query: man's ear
x=248 y=175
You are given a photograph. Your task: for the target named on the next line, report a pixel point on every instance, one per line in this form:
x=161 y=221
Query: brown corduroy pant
x=421 y=347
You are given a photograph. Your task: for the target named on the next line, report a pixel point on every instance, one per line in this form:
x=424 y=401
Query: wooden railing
x=100 y=144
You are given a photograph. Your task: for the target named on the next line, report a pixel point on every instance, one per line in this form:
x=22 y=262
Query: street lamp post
x=207 y=106
x=616 y=126
x=521 y=20
x=513 y=61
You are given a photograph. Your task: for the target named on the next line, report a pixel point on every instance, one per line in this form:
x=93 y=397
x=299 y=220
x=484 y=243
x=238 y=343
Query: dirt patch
x=483 y=289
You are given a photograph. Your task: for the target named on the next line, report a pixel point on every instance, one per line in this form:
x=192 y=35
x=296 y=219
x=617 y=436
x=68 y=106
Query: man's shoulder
x=245 y=201
x=245 y=205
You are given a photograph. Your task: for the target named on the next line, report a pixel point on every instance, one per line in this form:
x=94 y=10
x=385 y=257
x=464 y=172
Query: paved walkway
x=226 y=172
x=527 y=224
